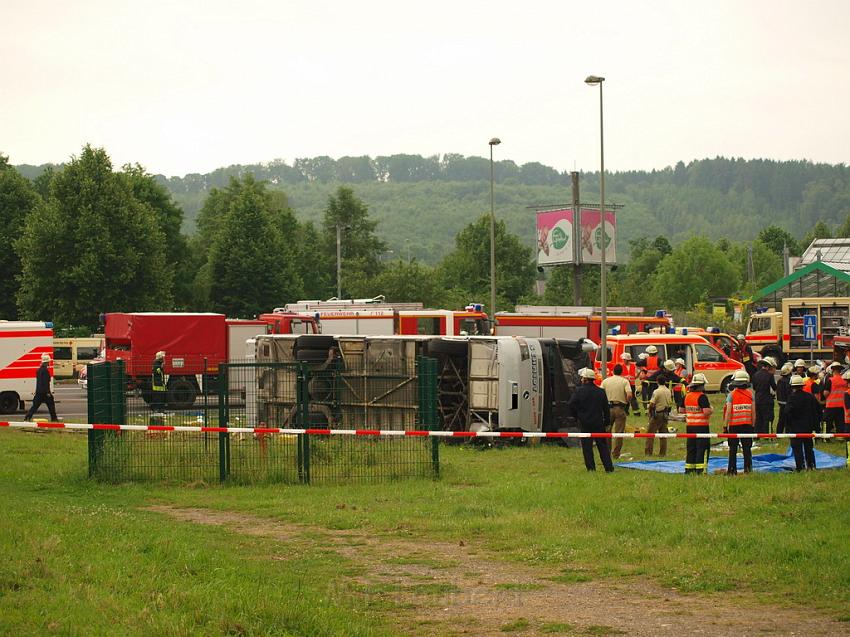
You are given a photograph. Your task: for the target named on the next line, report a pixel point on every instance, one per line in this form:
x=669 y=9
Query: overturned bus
x=499 y=383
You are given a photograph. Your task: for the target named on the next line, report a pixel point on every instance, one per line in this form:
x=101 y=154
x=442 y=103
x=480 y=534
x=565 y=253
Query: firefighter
x=630 y=374
x=803 y=414
x=651 y=358
x=764 y=388
x=158 y=383
x=783 y=390
x=739 y=416
x=681 y=382
x=845 y=425
x=618 y=390
x=833 y=390
x=810 y=382
x=659 y=413
x=590 y=407
x=43 y=395
x=800 y=367
x=641 y=373
x=747 y=356
x=697 y=412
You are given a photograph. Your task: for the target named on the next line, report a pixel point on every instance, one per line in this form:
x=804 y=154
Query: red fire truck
x=577 y=322
x=375 y=317
x=21 y=345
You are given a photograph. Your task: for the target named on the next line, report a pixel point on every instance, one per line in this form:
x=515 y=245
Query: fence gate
x=260 y=395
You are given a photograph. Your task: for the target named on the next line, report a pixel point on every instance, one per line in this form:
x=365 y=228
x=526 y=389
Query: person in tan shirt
x=659 y=410
x=618 y=390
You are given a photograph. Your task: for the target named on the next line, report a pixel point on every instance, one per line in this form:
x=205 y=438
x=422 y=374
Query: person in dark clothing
x=589 y=405
x=802 y=416
x=764 y=388
x=43 y=395
x=747 y=356
x=845 y=425
x=158 y=383
x=783 y=390
x=697 y=411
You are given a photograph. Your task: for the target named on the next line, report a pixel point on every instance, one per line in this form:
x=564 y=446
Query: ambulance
x=21 y=345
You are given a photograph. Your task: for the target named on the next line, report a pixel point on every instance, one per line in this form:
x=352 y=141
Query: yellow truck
x=801 y=328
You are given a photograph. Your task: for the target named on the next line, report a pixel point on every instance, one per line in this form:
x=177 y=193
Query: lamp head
x=495 y=141
x=593 y=80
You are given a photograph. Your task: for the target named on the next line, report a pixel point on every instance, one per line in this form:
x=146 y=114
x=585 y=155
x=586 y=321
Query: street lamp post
x=495 y=141
x=593 y=80
x=338 y=261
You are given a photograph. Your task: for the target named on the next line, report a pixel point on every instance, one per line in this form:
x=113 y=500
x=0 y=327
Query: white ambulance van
x=21 y=345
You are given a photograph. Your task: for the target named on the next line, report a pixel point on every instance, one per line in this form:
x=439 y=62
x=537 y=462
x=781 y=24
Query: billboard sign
x=555 y=237
x=592 y=235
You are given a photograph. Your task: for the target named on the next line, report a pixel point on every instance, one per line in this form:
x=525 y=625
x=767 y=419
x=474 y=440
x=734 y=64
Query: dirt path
x=439 y=588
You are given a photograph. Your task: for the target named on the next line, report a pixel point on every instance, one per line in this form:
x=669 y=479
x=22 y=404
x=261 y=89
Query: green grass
x=82 y=557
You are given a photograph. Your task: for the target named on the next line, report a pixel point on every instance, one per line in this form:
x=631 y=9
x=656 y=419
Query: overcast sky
x=184 y=87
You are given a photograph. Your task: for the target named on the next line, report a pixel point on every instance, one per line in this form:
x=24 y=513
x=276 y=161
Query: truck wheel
x=181 y=393
x=314 y=341
x=8 y=402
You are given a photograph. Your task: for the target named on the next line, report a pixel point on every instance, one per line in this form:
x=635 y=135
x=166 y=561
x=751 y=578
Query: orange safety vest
x=694 y=414
x=683 y=375
x=837 y=389
x=807 y=384
x=652 y=362
x=742 y=407
x=629 y=372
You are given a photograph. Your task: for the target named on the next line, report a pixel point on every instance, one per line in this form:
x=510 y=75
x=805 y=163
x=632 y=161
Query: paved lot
x=71 y=403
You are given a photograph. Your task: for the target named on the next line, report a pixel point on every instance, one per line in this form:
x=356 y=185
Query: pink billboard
x=555 y=237
x=592 y=236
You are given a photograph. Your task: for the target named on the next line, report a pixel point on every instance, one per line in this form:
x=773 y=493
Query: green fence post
x=106 y=404
x=302 y=394
x=223 y=436
x=428 y=406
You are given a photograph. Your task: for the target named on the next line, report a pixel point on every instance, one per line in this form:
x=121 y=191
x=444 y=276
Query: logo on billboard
x=559 y=238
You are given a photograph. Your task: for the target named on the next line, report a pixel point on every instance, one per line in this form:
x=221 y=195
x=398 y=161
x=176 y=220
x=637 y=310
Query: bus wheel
x=8 y=402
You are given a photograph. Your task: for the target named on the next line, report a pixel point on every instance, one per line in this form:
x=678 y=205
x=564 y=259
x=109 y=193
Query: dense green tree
x=18 y=198
x=693 y=272
x=360 y=246
x=820 y=231
x=169 y=217
x=467 y=267
x=776 y=239
x=251 y=270
x=407 y=282
x=91 y=247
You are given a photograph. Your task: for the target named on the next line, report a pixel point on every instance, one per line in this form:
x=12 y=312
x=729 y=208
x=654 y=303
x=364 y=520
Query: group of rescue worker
x=806 y=397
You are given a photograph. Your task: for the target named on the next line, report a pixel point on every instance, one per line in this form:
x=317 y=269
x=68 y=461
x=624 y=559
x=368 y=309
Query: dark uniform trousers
x=764 y=417
x=697 y=450
x=604 y=453
x=746 y=447
x=804 y=453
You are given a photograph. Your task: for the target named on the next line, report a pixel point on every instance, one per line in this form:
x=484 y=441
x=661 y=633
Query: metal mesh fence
x=327 y=394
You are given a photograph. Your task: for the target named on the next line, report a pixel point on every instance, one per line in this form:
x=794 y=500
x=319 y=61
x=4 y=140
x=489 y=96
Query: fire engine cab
x=21 y=345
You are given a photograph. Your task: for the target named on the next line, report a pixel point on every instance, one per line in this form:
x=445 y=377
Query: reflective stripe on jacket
x=694 y=414
x=742 y=407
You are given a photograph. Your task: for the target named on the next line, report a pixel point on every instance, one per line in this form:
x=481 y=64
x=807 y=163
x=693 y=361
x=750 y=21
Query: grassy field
x=77 y=557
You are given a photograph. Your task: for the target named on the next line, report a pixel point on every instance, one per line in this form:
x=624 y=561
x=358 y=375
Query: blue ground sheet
x=766 y=462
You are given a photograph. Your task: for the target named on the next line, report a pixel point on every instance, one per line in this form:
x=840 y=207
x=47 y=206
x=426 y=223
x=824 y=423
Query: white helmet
x=669 y=365
x=797 y=381
x=160 y=355
x=799 y=363
x=846 y=375
x=651 y=349
x=741 y=337
x=787 y=368
x=741 y=376
x=680 y=361
x=586 y=372
x=45 y=358
x=643 y=356
x=770 y=361
x=834 y=364
x=698 y=379
x=626 y=356
x=814 y=369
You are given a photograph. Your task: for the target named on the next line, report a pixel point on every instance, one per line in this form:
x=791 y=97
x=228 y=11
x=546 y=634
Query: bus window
x=87 y=353
x=62 y=353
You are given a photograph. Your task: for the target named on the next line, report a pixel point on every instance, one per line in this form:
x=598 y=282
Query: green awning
x=815 y=280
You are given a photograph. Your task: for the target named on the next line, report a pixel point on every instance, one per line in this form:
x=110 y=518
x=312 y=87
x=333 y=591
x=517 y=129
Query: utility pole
x=338 y=262
x=575 y=240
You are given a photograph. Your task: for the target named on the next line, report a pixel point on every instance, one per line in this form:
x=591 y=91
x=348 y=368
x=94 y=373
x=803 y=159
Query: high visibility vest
x=694 y=414
x=679 y=386
x=629 y=372
x=838 y=387
x=807 y=384
x=846 y=412
x=651 y=363
x=742 y=408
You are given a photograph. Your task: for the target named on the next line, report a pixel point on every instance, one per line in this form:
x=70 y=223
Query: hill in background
x=422 y=202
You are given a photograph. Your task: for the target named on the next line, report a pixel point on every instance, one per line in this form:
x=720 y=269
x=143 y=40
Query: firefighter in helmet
x=158 y=383
x=697 y=411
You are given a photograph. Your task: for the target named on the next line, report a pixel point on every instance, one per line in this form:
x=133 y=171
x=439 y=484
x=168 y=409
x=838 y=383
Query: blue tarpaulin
x=766 y=462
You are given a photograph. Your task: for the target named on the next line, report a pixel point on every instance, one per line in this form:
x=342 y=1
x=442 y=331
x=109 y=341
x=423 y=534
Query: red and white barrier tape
x=393 y=432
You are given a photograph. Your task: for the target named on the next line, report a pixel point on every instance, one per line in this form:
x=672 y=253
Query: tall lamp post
x=493 y=142
x=593 y=80
x=338 y=262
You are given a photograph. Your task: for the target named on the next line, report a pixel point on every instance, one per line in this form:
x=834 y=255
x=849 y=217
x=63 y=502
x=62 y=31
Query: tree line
x=88 y=238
